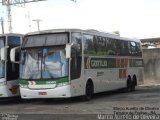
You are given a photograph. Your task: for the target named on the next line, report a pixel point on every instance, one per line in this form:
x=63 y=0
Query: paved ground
x=144 y=99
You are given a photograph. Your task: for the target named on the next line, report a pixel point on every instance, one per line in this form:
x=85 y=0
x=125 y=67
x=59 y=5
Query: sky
x=132 y=18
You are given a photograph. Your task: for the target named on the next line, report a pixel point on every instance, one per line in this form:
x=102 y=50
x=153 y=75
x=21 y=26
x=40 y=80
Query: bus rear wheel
x=89 y=91
x=134 y=83
x=129 y=84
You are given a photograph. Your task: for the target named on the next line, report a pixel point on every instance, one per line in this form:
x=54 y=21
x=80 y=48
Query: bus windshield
x=43 y=63
x=2 y=63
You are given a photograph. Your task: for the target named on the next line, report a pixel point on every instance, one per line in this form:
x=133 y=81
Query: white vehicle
x=9 y=72
x=70 y=62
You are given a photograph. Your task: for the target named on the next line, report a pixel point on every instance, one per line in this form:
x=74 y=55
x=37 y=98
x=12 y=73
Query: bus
x=9 y=71
x=63 y=63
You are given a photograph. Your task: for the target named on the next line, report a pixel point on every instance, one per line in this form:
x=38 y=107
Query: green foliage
x=116 y=32
x=110 y=52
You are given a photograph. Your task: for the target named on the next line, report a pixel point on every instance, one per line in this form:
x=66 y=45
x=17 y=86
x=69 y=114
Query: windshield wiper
x=51 y=76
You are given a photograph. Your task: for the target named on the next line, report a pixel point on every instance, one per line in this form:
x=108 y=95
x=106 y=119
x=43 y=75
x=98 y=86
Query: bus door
x=76 y=63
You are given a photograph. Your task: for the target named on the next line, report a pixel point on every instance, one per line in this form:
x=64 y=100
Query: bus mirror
x=3 y=55
x=68 y=50
x=13 y=54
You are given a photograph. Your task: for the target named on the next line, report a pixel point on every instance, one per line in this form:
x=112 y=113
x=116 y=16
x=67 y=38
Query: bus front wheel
x=89 y=91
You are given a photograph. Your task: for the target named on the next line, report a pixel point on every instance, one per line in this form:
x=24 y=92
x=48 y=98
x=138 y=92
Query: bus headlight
x=23 y=86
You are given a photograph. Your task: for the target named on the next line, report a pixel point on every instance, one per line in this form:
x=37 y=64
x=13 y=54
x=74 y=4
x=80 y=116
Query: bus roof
x=11 y=34
x=88 y=31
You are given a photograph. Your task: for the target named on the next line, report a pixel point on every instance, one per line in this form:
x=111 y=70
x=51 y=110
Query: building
x=149 y=43
x=151 y=56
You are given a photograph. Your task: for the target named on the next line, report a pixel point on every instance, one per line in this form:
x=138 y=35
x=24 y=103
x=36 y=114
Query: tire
x=134 y=83
x=129 y=84
x=88 y=92
x=26 y=100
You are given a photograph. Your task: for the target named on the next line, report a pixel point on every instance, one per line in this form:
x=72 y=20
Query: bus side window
x=125 y=49
x=118 y=47
x=76 y=55
x=89 y=47
x=135 y=49
x=138 y=48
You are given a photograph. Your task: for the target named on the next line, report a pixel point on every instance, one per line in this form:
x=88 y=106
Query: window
x=135 y=49
x=12 y=68
x=122 y=48
x=2 y=63
x=125 y=48
x=138 y=48
x=89 y=46
x=98 y=45
x=76 y=55
x=46 y=63
x=45 y=40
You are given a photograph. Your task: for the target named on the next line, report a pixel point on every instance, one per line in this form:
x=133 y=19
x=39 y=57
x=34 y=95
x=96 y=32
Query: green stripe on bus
x=42 y=82
x=96 y=63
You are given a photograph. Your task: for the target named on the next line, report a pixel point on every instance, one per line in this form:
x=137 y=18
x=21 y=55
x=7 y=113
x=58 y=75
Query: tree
x=116 y=32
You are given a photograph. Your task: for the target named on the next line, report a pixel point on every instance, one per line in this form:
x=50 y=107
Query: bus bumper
x=3 y=91
x=58 y=92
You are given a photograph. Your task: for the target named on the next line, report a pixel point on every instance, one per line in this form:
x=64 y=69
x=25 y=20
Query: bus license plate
x=42 y=93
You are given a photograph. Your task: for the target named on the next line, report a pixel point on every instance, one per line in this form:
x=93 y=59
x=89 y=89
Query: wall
x=151 y=65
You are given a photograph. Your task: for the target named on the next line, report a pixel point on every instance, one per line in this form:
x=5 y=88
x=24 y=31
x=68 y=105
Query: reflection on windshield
x=43 y=63
x=2 y=68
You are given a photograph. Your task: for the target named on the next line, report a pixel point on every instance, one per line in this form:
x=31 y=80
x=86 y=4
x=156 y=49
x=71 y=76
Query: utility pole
x=9 y=3
x=20 y=3
x=9 y=18
x=74 y=1
x=2 y=25
x=37 y=20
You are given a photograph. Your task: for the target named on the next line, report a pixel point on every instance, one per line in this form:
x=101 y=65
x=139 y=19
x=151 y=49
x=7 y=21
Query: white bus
x=9 y=71
x=71 y=62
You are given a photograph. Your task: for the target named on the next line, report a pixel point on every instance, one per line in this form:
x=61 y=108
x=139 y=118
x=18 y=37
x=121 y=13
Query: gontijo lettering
x=99 y=63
